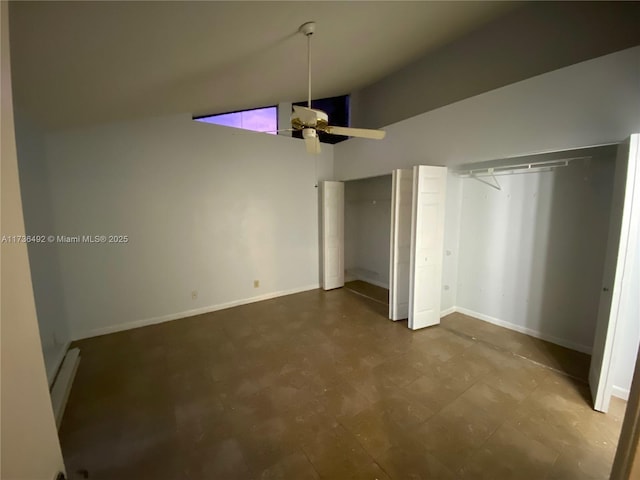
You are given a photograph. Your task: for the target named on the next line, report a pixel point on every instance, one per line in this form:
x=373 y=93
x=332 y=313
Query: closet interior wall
x=367 y=217
x=532 y=253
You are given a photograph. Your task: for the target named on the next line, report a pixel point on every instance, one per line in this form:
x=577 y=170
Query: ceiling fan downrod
x=308 y=29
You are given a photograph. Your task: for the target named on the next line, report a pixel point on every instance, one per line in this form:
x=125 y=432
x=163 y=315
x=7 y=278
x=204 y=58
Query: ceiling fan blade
x=356 y=132
x=313 y=145
x=298 y=109
x=305 y=116
x=277 y=131
x=308 y=117
x=249 y=132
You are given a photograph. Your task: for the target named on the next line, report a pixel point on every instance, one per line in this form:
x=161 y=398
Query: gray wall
x=590 y=103
x=43 y=257
x=533 y=39
x=204 y=209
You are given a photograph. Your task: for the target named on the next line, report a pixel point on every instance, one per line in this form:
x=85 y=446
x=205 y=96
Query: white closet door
x=623 y=236
x=427 y=238
x=332 y=224
x=400 y=257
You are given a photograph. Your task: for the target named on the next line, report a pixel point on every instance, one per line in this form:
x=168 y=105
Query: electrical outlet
x=256 y=283
x=194 y=294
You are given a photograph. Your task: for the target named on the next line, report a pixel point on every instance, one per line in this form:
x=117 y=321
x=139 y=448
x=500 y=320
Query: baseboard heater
x=62 y=384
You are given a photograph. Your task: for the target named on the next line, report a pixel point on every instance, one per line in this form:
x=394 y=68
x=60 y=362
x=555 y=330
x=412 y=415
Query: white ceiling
x=79 y=63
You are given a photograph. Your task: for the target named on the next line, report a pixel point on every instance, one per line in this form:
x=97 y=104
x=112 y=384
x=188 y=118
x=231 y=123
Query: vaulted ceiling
x=83 y=63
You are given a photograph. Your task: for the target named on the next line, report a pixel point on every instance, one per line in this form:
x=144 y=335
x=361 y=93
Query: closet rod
x=529 y=167
x=492 y=171
x=489 y=173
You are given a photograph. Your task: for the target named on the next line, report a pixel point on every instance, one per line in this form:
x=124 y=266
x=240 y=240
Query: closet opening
x=367 y=215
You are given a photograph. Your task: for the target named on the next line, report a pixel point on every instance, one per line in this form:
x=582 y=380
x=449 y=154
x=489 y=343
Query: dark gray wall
x=533 y=39
x=43 y=256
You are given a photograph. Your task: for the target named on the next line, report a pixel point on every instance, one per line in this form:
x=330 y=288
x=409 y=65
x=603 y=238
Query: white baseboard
x=448 y=311
x=188 y=313
x=620 y=392
x=528 y=331
x=349 y=278
x=212 y=308
x=52 y=370
x=377 y=283
x=64 y=381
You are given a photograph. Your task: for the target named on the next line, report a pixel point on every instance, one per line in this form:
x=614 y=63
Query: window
x=258 y=119
x=266 y=119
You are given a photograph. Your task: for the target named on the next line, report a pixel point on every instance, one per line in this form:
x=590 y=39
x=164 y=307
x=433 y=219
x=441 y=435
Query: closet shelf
x=536 y=163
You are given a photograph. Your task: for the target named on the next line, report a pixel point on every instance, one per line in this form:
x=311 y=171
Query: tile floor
x=368 y=290
x=323 y=385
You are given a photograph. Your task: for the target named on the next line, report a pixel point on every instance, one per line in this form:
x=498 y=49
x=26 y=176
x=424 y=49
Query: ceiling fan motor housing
x=303 y=117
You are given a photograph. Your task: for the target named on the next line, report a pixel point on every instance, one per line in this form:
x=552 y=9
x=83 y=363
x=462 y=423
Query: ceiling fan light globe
x=309 y=133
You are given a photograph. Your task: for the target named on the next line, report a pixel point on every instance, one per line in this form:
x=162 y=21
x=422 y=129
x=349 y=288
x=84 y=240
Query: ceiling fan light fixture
x=309 y=119
x=309 y=133
x=311 y=140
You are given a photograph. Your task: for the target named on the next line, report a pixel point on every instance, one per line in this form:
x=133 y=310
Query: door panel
x=623 y=231
x=428 y=276
x=429 y=218
x=332 y=235
x=427 y=238
x=400 y=257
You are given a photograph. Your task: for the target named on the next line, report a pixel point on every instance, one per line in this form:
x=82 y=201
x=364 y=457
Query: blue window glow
x=258 y=120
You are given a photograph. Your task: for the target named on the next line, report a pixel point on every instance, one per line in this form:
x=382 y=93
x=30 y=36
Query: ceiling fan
x=312 y=121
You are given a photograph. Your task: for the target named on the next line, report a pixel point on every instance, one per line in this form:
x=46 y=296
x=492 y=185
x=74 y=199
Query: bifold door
x=400 y=248
x=427 y=239
x=332 y=234
x=619 y=261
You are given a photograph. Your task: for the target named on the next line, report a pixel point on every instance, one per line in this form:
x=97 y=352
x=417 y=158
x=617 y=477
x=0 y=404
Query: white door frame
x=400 y=244
x=623 y=234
